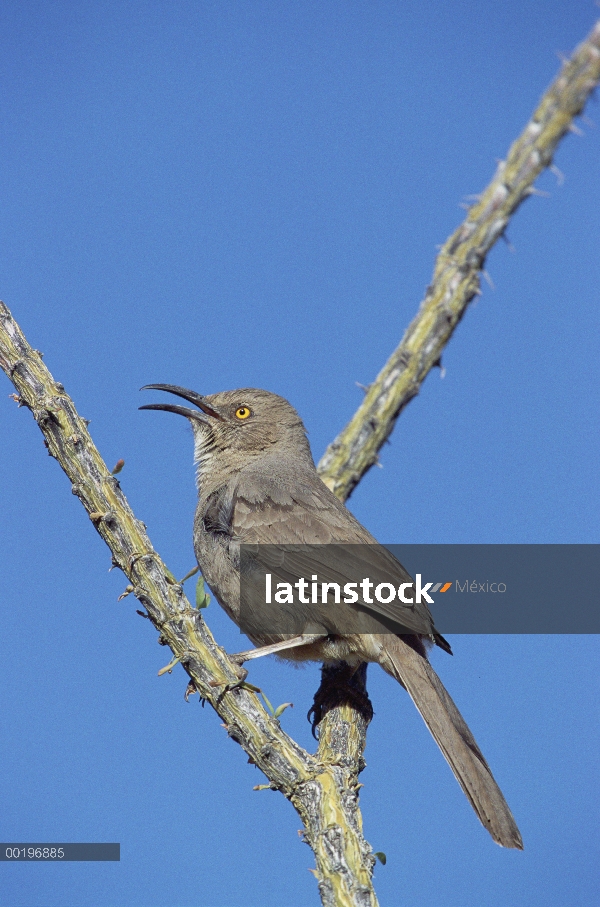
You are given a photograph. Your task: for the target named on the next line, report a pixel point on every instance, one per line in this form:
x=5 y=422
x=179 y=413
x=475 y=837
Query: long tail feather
x=453 y=737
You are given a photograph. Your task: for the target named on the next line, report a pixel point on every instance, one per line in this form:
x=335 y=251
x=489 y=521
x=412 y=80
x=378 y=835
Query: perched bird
x=258 y=484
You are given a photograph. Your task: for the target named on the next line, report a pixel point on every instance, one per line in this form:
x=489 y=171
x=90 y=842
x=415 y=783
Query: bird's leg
x=239 y=658
x=276 y=647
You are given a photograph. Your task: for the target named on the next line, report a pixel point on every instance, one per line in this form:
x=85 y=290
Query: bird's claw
x=241 y=672
x=237 y=685
x=190 y=690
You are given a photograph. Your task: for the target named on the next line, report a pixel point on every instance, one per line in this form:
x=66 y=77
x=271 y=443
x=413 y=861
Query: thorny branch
x=323 y=788
x=456 y=273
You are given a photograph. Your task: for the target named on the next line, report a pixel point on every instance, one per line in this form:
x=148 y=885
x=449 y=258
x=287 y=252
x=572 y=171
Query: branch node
x=16 y=365
x=45 y=415
x=146 y=556
x=109 y=517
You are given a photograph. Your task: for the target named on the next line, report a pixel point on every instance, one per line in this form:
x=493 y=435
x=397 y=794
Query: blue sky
x=251 y=194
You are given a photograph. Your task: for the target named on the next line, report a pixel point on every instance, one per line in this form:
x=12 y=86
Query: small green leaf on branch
x=202 y=597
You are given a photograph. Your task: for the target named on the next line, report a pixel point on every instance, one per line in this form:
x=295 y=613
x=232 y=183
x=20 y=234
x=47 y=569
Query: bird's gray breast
x=218 y=550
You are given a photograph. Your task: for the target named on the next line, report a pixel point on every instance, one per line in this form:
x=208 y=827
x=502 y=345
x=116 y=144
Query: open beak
x=191 y=396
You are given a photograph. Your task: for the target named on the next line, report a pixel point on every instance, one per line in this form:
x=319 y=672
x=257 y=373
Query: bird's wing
x=312 y=533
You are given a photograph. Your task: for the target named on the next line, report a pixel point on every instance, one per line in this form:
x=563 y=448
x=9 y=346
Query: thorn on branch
x=488 y=280
x=168 y=669
x=533 y=190
x=98 y=517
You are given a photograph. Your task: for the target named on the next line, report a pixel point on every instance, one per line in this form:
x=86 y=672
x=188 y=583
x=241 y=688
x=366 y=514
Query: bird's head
x=232 y=428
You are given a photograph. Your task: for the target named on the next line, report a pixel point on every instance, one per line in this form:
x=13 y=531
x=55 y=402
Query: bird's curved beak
x=198 y=400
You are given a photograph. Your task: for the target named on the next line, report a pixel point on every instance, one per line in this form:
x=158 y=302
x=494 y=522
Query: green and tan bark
x=457 y=270
x=323 y=788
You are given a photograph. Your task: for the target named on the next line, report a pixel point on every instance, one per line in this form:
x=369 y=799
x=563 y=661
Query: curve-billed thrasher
x=257 y=484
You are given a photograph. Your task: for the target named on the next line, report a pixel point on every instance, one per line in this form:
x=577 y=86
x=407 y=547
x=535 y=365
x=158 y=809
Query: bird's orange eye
x=242 y=412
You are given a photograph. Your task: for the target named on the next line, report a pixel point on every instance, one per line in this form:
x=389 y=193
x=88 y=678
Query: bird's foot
x=238 y=659
x=341 y=684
